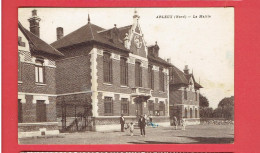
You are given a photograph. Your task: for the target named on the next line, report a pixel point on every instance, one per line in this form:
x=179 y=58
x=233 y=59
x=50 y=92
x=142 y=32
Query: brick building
x=88 y=78
x=184 y=95
x=36 y=82
x=108 y=72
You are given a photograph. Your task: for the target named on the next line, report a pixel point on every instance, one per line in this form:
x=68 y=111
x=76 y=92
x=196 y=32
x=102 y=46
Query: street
x=194 y=134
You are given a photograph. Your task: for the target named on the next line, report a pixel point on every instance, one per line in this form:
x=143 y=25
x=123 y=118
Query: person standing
x=175 y=122
x=142 y=125
x=122 y=122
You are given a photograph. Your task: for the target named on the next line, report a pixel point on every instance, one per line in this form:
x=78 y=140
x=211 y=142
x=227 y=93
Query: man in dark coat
x=122 y=122
x=142 y=125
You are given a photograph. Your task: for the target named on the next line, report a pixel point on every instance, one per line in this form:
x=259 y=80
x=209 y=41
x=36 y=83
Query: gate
x=76 y=116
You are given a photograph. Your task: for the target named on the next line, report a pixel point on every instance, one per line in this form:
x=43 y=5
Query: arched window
x=39 y=71
x=138 y=74
x=107 y=68
x=186 y=113
x=123 y=71
x=161 y=75
x=190 y=112
x=150 y=77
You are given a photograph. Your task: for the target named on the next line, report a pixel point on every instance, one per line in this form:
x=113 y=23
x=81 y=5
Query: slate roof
x=122 y=31
x=180 y=77
x=38 y=44
x=86 y=33
x=159 y=60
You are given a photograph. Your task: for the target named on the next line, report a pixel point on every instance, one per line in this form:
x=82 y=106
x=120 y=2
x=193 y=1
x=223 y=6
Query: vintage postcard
x=126 y=75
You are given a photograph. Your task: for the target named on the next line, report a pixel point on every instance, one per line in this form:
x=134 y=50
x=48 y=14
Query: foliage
x=225 y=108
x=204 y=102
x=206 y=112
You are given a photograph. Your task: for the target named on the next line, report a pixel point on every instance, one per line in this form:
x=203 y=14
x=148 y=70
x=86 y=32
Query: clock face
x=138 y=41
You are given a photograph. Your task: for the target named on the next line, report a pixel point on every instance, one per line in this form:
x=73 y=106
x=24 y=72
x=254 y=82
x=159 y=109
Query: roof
x=159 y=60
x=86 y=33
x=180 y=77
x=38 y=44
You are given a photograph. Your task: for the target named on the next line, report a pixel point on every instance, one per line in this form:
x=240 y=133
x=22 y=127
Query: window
x=161 y=75
x=20 y=111
x=123 y=71
x=190 y=112
x=185 y=94
x=151 y=107
x=162 y=108
x=150 y=77
x=108 y=105
x=40 y=111
x=196 y=113
x=138 y=74
x=107 y=68
x=186 y=113
x=39 y=71
x=19 y=67
x=125 y=106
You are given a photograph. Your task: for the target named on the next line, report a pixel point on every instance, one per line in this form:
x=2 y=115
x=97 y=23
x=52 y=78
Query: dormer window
x=39 y=71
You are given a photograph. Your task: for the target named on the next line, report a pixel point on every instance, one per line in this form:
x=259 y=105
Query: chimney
x=59 y=32
x=35 y=23
x=114 y=34
x=186 y=69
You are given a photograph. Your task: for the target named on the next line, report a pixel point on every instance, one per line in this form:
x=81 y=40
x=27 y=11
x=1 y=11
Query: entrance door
x=40 y=111
x=139 y=109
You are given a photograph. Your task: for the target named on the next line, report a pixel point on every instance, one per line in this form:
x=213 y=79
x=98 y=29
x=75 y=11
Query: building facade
x=36 y=82
x=109 y=72
x=184 y=95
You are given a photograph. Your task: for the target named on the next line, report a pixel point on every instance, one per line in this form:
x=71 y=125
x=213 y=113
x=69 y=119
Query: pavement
x=194 y=134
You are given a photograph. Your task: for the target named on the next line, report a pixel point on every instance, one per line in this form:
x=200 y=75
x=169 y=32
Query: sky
x=206 y=45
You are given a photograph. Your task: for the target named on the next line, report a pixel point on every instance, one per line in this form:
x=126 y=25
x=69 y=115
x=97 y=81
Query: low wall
x=216 y=121
x=37 y=129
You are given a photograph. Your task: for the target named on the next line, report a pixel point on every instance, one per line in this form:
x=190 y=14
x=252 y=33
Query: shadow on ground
x=209 y=140
x=151 y=142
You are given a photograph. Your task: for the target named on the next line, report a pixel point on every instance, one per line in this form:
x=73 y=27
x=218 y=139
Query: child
x=183 y=124
x=131 y=127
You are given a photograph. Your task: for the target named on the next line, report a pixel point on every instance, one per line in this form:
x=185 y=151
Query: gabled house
x=184 y=95
x=36 y=82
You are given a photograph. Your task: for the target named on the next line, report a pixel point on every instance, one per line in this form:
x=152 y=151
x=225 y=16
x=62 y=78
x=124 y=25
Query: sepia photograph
x=126 y=75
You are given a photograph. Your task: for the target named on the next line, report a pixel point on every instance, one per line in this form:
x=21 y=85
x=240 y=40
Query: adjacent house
x=184 y=95
x=36 y=82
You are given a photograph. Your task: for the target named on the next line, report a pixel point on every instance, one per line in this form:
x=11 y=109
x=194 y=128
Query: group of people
x=141 y=123
x=182 y=123
x=144 y=120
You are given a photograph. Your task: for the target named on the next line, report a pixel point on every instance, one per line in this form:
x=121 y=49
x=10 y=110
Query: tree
x=206 y=112
x=226 y=106
x=204 y=102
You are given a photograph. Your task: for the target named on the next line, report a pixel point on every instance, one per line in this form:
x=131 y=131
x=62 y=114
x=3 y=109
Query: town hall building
x=90 y=77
